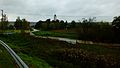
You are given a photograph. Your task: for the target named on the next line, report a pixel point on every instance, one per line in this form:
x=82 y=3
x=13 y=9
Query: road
x=74 y=41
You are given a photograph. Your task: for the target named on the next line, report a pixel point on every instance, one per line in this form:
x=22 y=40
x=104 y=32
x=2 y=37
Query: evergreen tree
x=18 y=23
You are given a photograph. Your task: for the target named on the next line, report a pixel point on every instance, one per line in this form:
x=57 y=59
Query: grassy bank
x=63 y=34
x=59 y=54
x=16 y=42
x=6 y=60
x=34 y=62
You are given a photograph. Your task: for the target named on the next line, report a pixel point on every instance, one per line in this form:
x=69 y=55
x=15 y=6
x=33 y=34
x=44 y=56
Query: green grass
x=61 y=54
x=71 y=35
x=92 y=48
x=36 y=47
x=6 y=60
x=14 y=31
x=101 y=50
x=34 y=62
x=17 y=44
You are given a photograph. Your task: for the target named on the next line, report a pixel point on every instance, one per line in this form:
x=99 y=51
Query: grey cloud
x=35 y=8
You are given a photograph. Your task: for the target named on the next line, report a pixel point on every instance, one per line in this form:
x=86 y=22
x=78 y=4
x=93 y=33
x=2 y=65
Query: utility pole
x=2 y=15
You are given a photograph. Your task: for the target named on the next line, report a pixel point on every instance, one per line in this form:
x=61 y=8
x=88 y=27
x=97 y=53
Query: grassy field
x=6 y=60
x=13 y=31
x=101 y=50
x=34 y=62
x=37 y=52
x=62 y=34
x=31 y=61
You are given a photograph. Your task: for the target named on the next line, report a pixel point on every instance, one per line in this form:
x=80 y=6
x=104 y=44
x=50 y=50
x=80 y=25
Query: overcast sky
x=34 y=10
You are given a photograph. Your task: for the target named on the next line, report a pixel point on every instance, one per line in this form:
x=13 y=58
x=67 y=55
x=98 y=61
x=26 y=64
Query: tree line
x=88 y=29
x=51 y=25
x=108 y=32
x=19 y=24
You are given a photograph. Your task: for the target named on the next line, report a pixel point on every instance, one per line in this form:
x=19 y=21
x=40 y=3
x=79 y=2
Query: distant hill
x=32 y=23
